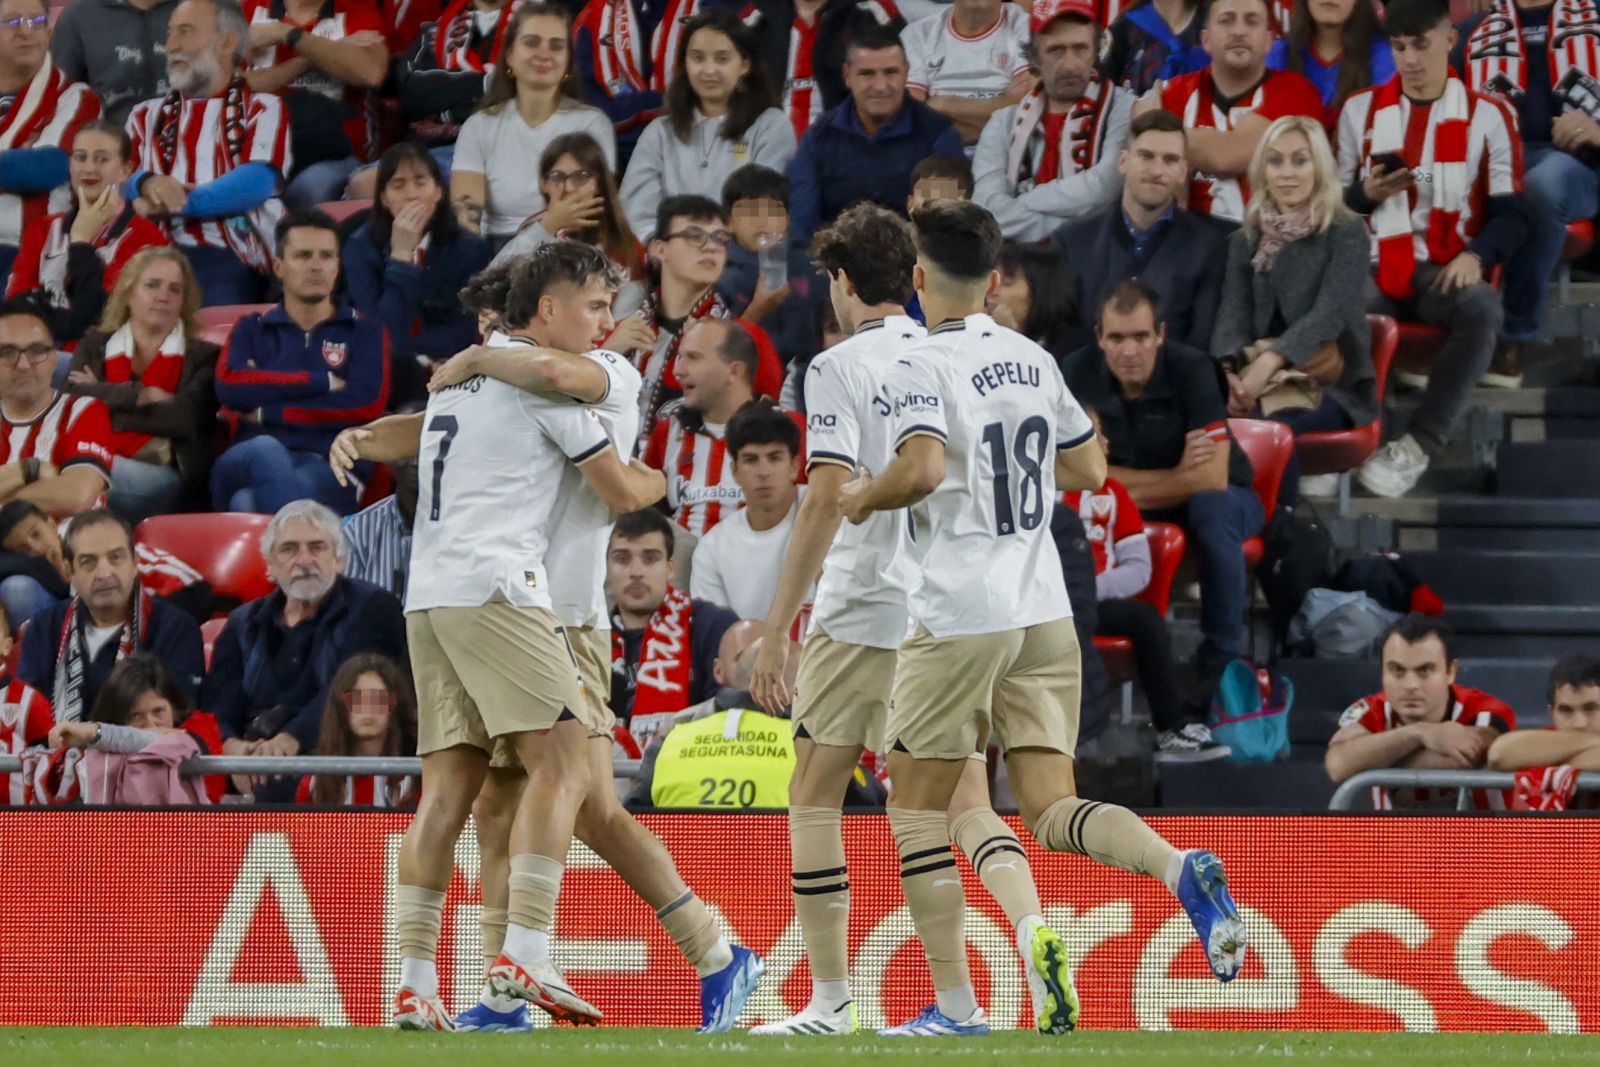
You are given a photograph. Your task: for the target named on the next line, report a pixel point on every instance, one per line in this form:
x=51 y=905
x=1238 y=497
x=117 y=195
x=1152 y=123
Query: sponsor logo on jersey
x=818 y=422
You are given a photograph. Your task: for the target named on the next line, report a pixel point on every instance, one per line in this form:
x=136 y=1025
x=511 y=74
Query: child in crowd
x=371 y=711
x=757 y=201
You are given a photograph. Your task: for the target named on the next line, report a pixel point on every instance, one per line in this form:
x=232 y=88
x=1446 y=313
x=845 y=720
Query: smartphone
x=1392 y=162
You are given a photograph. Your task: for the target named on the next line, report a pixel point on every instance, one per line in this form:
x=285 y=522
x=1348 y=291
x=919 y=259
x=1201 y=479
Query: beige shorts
x=487 y=672
x=842 y=692
x=1022 y=685
x=592 y=648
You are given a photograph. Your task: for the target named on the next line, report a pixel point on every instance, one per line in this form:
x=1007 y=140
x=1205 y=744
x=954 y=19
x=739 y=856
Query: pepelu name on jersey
x=1005 y=372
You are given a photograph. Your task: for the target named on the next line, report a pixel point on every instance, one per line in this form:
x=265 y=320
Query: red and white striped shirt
x=73 y=431
x=45 y=113
x=203 y=155
x=25 y=720
x=700 y=485
x=161 y=572
x=348 y=17
x=802 y=100
x=1468 y=707
x=377 y=791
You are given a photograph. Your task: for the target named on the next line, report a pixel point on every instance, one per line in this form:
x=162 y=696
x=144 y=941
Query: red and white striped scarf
x=655 y=365
x=33 y=107
x=802 y=100
x=1082 y=136
x=1444 y=151
x=72 y=652
x=664 y=43
x=666 y=659
x=164 y=371
x=1497 y=56
x=619 y=49
x=453 y=45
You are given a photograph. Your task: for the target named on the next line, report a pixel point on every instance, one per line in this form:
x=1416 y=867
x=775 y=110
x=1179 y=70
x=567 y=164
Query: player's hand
x=1466 y=269
x=1463 y=744
x=632 y=334
x=455 y=370
x=1198 y=448
x=853 y=497
x=72 y=734
x=1380 y=185
x=346 y=452
x=767 y=683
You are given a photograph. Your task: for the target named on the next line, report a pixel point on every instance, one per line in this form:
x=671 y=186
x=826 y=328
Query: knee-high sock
x=821 y=890
x=418 y=915
x=694 y=931
x=1000 y=861
x=1106 y=834
x=932 y=885
x=535 y=882
x=492 y=931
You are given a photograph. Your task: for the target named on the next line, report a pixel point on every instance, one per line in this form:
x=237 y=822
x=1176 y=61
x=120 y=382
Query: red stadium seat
x=216 y=323
x=380 y=485
x=1166 y=552
x=1580 y=238
x=340 y=210
x=1342 y=451
x=208 y=635
x=1269 y=446
x=225 y=547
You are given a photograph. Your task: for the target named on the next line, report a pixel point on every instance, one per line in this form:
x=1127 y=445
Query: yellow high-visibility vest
x=733 y=759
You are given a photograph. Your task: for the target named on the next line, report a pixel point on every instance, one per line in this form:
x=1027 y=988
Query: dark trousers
x=1152 y=655
x=224 y=277
x=1218 y=525
x=1328 y=417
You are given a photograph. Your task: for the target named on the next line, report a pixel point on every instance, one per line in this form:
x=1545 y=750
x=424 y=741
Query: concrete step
x=1510 y=538
x=1531 y=645
x=1566 y=468
x=1525 y=578
x=1575 y=619
x=1296 y=784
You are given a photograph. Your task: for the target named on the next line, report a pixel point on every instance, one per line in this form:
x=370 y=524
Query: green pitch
x=679 y=1048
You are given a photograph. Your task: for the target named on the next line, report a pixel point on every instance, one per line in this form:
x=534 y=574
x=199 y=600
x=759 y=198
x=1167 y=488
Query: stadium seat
x=1580 y=238
x=216 y=323
x=1166 y=552
x=341 y=210
x=1269 y=446
x=1342 y=451
x=208 y=635
x=225 y=548
x=380 y=485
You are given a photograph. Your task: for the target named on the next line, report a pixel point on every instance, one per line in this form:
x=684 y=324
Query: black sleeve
x=1207 y=294
x=86 y=294
x=1203 y=389
x=1506 y=227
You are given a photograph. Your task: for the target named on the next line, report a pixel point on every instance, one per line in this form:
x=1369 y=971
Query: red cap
x=1047 y=11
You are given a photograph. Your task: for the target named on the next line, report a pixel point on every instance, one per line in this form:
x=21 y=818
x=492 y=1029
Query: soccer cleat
x=1203 y=892
x=935 y=1023
x=814 y=1021
x=723 y=994
x=485 y=1020
x=541 y=985
x=413 y=1011
x=1055 y=1002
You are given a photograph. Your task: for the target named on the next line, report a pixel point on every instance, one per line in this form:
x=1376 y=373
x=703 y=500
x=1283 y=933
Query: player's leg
x=728 y=973
x=492 y=814
x=1036 y=714
x=995 y=853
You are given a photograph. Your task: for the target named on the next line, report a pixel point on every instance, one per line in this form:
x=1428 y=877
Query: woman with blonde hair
x=1291 y=327
x=148 y=363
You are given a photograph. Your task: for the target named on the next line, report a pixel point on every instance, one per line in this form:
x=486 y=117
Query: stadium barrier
x=241 y=916
x=358 y=766
x=1349 y=794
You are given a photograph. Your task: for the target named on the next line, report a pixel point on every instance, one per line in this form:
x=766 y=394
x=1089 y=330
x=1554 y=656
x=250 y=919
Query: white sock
x=525 y=944
x=419 y=976
x=957 y=1004
x=830 y=996
x=1174 y=870
x=1025 y=928
x=716 y=958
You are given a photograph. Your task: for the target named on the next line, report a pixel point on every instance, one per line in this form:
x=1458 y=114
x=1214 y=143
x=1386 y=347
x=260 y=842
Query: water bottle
x=774 y=255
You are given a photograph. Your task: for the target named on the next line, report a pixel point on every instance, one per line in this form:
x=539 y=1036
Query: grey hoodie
x=664 y=166
x=120 y=51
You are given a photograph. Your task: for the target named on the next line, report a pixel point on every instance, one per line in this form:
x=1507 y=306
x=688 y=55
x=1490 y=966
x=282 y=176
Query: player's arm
x=1083 y=466
x=547 y=371
x=622 y=486
x=1355 y=749
x=1544 y=748
x=1225 y=152
x=913 y=474
x=383 y=441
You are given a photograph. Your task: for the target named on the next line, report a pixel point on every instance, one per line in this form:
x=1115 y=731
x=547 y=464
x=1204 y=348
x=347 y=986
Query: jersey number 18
x=1028 y=449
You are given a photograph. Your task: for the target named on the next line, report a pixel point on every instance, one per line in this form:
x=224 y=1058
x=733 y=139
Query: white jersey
x=582 y=528
x=998 y=403
x=489 y=474
x=942 y=62
x=869 y=571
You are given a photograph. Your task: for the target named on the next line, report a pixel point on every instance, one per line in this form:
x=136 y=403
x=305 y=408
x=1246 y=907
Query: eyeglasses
x=703 y=238
x=33 y=22
x=569 y=178
x=12 y=355
x=369 y=698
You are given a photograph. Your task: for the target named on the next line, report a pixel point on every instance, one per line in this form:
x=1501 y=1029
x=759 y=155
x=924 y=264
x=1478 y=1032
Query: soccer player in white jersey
x=489 y=654
x=986 y=437
x=859 y=617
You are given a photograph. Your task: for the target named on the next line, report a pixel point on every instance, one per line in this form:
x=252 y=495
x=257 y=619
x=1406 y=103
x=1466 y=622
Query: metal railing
x=1345 y=797
x=359 y=766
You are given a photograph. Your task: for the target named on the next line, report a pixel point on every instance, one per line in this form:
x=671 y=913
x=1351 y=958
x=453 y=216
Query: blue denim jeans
x=140 y=490
x=1559 y=188
x=1218 y=524
x=319 y=183
x=224 y=277
x=261 y=475
x=23 y=598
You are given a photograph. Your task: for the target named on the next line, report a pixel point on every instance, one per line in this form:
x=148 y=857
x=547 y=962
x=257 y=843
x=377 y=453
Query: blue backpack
x=1250 y=713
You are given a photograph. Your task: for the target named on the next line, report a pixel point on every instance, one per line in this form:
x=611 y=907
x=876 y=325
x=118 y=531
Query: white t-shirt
x=944 y=63
x=738 y=567
x=489 y=472
x=581 y=529
x=506 y=150
x=95 y=637
x=998 y=403
x=869 y=570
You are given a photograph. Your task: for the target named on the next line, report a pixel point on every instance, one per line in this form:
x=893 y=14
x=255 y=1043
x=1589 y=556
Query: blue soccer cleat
x=1203 y=892
x=723 y=994
x=935 y=1023
x=485 y=1020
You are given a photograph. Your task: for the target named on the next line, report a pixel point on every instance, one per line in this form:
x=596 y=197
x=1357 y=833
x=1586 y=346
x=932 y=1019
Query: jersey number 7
x=447 y=425
x=1028 y=449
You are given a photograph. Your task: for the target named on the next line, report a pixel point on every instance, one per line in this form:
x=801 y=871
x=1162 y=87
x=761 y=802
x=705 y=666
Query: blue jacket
x=257 y=665
x=790 y=324
x=420 y=307
x=838 y=163
x=272 y=366
x=173 y=636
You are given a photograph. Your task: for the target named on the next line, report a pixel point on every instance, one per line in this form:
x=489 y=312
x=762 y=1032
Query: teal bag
x=1250 y=713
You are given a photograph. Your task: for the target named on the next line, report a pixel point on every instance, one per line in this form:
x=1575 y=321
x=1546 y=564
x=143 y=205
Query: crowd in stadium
x=1195 y=198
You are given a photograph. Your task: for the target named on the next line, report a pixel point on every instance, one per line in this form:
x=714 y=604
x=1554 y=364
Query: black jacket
x=173 y=637
x=841 y=20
